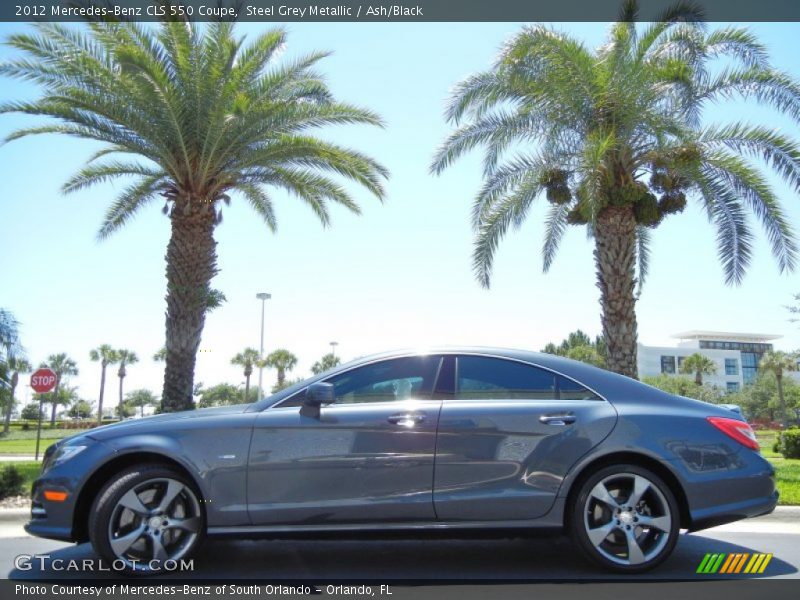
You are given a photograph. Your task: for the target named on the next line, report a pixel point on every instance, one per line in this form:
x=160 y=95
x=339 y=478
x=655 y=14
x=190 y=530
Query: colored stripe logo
x=723 y=563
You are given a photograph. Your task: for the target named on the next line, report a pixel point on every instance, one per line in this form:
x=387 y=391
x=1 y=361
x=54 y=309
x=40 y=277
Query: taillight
x=736 y=429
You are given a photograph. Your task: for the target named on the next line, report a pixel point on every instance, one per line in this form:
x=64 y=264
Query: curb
x=15 y=515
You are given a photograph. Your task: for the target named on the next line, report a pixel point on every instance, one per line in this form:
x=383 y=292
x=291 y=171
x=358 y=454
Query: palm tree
x=106 y=355
x=283 y=361
x=246 y=359
x=613 y=139
x=328 y=361
x=125 y=358
x=209 y=118
x=63 y=366
x=9 y=333
x=15 y=366
x=779 y=363
x=699 y=365
x=161 y=355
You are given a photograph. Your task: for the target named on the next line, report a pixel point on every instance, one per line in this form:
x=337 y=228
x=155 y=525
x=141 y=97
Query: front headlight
x=64 y=453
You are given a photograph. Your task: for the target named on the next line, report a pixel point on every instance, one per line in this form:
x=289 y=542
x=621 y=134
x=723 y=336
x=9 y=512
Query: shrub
x=789 y=444
x=10 y=482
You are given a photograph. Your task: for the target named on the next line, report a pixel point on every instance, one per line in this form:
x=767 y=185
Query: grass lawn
x=22 y=442
x=787 y=470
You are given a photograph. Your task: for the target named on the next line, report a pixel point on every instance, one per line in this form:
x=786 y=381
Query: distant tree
x=125 y=410
x=105 y=355
x=15 y=366
x=30 y=412
x=80 y=410
x=141 y=398
x=161 y=355
x=64 y=367
x=779 y=363
x=685 y=386
x=698 y=365
x=125 y=358
x=579 y=346
x=224 y=394
x=759 y=399
x=282 y=361
x=288 y=383
x=328 y=361
x=246 y=359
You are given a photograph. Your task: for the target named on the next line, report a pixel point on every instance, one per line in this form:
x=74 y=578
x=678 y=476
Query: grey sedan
x=451 y=439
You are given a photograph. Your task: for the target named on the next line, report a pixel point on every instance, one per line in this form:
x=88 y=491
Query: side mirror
x=318 y=394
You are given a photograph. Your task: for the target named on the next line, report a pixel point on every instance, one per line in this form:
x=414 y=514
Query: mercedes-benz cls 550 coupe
x=457 y=438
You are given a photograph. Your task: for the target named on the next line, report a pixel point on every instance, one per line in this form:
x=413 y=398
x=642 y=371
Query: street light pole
x=333 y=348
x=263 y=296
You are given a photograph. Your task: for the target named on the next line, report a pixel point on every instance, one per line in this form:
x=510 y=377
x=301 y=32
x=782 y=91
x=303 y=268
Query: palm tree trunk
x=781 y=400
x=615 y=259
x=102 y=392
x=246 y=388
x=191 y=263
x=10 y=407
x=698 y=377
x=121 y=379
x=55 y=401
x=281 y=377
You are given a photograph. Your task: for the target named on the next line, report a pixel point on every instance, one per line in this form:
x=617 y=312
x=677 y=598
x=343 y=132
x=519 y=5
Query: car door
x=508 y=434
x=366 y=457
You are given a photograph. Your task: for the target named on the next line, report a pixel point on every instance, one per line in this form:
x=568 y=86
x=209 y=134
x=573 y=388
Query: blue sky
x=399 y=275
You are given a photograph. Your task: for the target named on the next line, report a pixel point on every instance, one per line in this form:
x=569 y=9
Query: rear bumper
x=719 y=515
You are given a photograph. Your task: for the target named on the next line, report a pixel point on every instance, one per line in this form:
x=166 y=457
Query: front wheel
x=146 y=520
x=625 y=518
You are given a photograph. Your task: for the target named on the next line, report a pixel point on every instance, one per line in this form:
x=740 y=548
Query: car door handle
x=406 y=419
x=557 y=419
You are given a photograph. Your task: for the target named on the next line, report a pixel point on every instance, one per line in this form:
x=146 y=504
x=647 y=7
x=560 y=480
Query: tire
x=145 y=517
x=639 y=535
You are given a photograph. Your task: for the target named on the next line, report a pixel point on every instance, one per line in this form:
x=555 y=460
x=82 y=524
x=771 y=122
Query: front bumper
x=56 y=520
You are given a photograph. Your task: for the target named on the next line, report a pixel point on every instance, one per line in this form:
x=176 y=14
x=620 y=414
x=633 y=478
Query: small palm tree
x=63 y=366
x=124 y=358
x=15 y=366
x=613 y=139
x=201 y=117
x=9 y=333
x=246 y=359
x=282 y=361
x=698 y=365
x=105 y=355
x=161 y=355
x=779 y=363
x=328 y=361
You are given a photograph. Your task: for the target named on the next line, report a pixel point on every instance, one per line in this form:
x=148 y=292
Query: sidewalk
x=18 y=458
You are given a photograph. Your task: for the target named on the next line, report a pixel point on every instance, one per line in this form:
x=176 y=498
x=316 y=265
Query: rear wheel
x=625 y=518
x=146 y=518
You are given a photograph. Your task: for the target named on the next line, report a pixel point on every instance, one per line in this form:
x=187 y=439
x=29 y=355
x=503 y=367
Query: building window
x=731 y=366
x=668 y=364
x=750 y=366
x=680 y=362
x=733 y=386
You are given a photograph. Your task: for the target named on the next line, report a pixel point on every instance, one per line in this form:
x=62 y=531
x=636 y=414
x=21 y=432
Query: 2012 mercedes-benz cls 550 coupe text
x=461 y=438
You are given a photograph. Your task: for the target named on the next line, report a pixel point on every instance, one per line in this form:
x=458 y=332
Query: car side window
x=387 y=381
x=498 y=379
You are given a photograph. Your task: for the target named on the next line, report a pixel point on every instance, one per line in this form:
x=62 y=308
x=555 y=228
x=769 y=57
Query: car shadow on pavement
x=432 y=560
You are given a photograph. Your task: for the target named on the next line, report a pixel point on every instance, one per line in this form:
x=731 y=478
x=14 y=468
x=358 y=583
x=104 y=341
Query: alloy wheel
x=155 y=521
x=627 y=519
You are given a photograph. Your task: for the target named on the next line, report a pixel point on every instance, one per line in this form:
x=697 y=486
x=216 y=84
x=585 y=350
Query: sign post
x=42 y=381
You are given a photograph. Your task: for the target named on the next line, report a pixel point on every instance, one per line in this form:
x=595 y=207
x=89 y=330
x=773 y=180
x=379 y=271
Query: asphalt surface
x=544 y=557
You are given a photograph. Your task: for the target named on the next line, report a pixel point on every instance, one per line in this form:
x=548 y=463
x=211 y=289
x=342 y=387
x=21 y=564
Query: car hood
x=144 y=424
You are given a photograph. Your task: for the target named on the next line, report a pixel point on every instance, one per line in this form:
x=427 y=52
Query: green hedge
x=788 y=443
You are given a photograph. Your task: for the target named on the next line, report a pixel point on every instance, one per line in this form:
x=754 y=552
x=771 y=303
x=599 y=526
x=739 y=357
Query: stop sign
x=43 y=380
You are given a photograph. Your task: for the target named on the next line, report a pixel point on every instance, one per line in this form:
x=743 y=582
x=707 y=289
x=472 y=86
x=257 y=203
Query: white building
x=736 y=355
